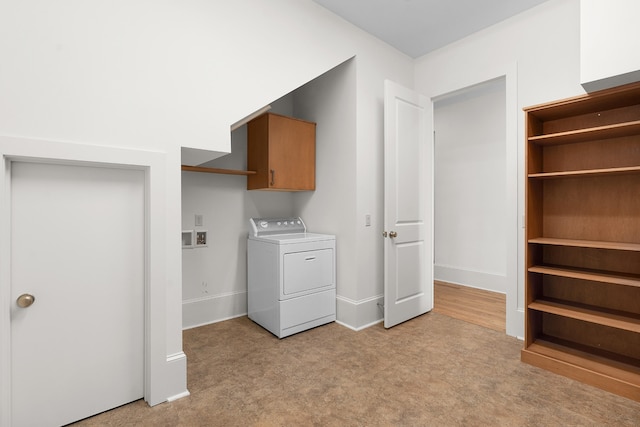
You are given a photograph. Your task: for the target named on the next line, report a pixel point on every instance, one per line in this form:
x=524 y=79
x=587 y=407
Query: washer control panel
x=264 y=226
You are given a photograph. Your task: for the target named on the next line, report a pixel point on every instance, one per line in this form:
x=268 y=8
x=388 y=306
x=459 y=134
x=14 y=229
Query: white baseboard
x=515 y=323
x=178 y=396
x=360 y=328
x=474 y=279
x=175 y=378
x=212 y=309
x=358 y=315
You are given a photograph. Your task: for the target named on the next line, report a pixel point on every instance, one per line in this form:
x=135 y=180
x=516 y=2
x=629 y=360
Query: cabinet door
x=282 y=152
x=258 y=153
x=292 y=154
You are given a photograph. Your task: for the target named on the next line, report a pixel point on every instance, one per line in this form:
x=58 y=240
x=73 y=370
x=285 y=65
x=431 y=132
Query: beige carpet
x=431 y=371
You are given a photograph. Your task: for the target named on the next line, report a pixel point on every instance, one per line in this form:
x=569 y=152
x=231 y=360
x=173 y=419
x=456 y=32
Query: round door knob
x=25 y=300
x=393 y=234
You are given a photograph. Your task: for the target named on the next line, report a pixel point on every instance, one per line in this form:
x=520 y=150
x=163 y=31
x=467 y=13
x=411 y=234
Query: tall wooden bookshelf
x=582 y=297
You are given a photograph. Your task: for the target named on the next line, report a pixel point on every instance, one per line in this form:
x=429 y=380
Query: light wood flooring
x=472 y=305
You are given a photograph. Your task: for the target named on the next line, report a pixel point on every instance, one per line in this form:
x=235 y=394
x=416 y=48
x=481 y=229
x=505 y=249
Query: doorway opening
x=470 y=195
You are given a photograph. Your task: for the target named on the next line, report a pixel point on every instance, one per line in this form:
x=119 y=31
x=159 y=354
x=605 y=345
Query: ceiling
x=417 y=27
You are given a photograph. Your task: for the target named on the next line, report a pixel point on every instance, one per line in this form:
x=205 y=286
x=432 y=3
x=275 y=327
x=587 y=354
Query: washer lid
x=291 y=238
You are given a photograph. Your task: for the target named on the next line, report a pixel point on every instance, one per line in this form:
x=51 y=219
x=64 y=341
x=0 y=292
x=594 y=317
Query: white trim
x=358 y=302
x=361 y=327
x=178 y=396
x=515 y=183
x=474 y=279
x=222 y=295
x=358 y=315
x=5 y=295
x=250 y=117
x=514 y=154
x=176 y=370
x=218 y=320
x=176 y=356
x=154 y=166
x=213 y=309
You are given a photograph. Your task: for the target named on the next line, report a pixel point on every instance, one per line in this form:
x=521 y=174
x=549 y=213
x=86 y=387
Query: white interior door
x=77 y=246
x=408 y=176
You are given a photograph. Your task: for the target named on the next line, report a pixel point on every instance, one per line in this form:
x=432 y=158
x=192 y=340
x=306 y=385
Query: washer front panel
x=305 y=271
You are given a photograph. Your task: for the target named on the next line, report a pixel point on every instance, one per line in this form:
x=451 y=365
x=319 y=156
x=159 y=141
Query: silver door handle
x=393 y=234
x=25 y=300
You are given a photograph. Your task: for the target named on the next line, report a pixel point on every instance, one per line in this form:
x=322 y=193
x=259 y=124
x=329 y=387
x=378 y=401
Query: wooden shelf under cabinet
x=186 y=168
x=582 y=288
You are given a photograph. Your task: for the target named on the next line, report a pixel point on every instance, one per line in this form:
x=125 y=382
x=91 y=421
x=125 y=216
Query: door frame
x=514 y=277
x=154 y=166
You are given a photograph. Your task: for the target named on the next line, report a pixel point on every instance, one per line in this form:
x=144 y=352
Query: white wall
x=470 y=187
x=161 y=75
x=330 y=101
x=538 y=51
x=609 y=43
x=214 y=278
x=347 y=104
x=146 y=72
x=363 y=301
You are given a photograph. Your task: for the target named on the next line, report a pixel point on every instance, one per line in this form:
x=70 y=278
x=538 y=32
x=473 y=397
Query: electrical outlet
x=199 y=220
x=367 y=220
x=201 y=238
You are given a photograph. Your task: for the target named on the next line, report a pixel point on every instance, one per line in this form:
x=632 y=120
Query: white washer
x=291 y=276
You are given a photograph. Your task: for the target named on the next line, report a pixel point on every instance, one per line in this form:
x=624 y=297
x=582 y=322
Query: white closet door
x=77 y=246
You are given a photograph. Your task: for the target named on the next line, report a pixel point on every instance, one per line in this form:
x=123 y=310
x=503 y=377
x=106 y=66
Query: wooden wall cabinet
x=582 y=292
x=282 y=152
